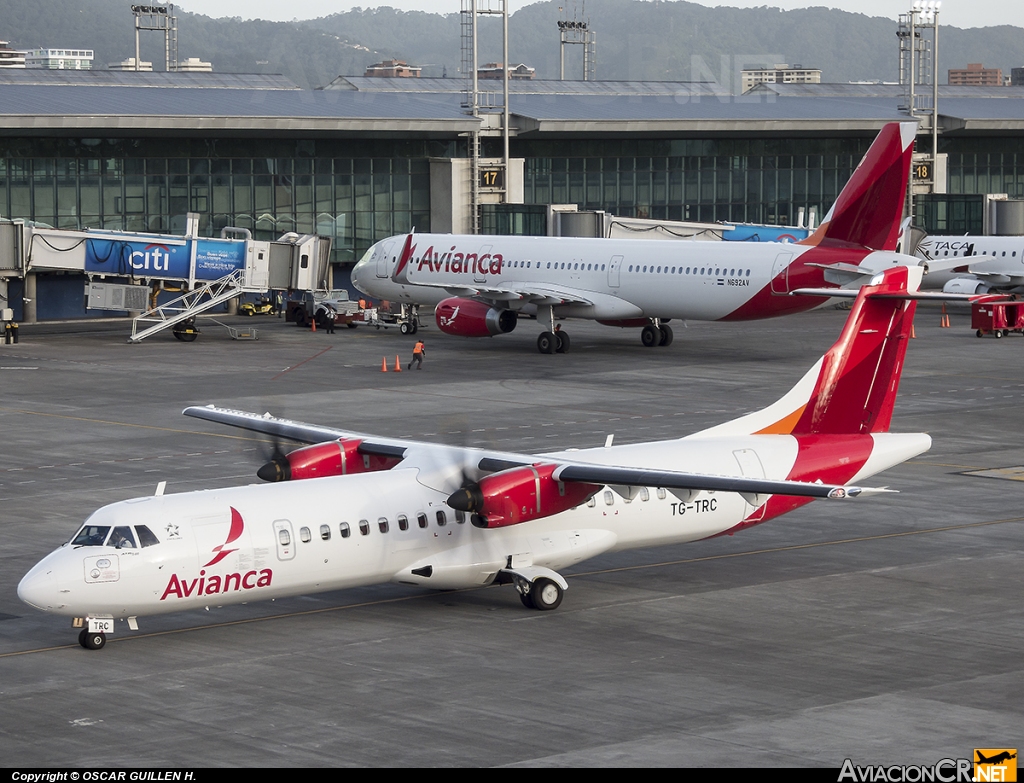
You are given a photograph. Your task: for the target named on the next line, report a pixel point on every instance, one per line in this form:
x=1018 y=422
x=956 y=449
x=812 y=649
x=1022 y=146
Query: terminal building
x=368 y=157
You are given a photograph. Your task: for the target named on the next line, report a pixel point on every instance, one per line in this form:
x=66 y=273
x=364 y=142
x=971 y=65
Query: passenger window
x=146 y=537
x=592 y=502
x=609 y=498
x=644 y=494
x=442 y=520
x=325 y=532
x=284 y=537
x=364 y=527
x=122 y=538
x=460 y=517
x=661 y=493
x=421 y=519
x=382 y=523
x=91 y=535
x=305 y=535
x=344 y=529
x=403 y=522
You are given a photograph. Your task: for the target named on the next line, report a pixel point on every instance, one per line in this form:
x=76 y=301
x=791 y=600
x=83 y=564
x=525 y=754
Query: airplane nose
x=39 y=588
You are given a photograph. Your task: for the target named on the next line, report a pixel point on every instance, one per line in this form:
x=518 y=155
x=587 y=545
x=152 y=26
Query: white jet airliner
x=974 y=264
x=480 y=285
x=354 y=509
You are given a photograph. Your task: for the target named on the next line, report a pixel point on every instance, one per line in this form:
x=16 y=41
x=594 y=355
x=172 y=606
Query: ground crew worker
x=417 y=355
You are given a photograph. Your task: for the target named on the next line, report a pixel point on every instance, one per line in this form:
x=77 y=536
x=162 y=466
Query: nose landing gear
x=92 y=640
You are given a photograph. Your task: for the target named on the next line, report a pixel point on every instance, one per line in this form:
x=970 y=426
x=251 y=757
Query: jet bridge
x=128 y=271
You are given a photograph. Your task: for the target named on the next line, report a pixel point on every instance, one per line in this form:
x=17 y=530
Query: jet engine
x=518 y=495
x=333 y=458
x=966 y=285
x=470 y=318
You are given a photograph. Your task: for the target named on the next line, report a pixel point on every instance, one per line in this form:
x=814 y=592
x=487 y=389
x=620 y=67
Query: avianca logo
x=458 y=263
x=237 y=526
x=181 y=587
x=451 y=320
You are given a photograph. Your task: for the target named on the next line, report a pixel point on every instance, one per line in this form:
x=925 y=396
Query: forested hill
x=635 y=40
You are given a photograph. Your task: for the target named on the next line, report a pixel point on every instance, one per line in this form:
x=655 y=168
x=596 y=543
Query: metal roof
x=49 y=78
x=523 y=86
x=840 y=90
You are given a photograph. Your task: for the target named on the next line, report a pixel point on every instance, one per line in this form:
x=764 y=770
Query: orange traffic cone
x=384 y=364
x=944 y=320
x=913 y=334
x=312 y=324
x=398 y=364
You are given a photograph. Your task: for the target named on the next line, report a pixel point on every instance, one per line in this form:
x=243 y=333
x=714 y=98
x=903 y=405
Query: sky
x=955 y=13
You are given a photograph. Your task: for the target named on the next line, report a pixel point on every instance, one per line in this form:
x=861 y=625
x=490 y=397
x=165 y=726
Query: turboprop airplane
x=973 y=264
x=480 y=285
x=354 y=509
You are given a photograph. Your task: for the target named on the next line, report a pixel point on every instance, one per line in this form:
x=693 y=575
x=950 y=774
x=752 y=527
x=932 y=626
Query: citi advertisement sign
x=214 y=258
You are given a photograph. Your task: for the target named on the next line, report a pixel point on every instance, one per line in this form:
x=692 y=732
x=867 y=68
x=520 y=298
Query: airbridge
x=133 y=271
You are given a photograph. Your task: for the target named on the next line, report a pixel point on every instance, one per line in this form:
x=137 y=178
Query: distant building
x=60 y=59
x=194 y=65
x=976 y=74
x=780 y=73
x=11 y=58
x=393 y=69
x=1017 y=77
x=128 y=64
x=493 y=71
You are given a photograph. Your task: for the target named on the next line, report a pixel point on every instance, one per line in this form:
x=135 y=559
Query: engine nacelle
x=965 y=285
x=333 y=458
x=518 y=495
x=469 y=318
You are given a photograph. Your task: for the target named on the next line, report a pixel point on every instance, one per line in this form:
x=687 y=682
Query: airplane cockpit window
x=91 y=535
x=146 y=537
x=122 y=538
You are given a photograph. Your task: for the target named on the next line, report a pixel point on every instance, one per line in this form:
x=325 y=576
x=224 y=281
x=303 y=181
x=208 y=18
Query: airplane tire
x=545 y=594
x=666 y=336
x=92 y=641
x=546 y=342
x=650 y=336
x=562 y=342
x=527 y=600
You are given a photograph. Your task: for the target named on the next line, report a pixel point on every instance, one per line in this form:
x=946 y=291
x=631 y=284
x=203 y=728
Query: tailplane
x=851 y=390
x=869 y=209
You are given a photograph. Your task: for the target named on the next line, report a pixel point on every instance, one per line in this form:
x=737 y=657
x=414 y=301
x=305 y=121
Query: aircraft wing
x=475 y=463
x=534 y=293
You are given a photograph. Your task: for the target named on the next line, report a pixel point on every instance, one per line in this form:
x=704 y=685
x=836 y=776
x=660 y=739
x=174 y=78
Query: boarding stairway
x=188 y=305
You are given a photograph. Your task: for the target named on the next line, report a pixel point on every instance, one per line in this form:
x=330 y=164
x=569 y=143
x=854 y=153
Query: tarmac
x=887 y=630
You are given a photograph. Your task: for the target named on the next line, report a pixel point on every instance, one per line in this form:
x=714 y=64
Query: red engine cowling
x=520 y=494
x=333 y=458
x=469 y=318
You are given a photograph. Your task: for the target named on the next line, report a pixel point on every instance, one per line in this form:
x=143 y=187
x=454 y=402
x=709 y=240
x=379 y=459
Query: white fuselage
x=292 y=542
x=996 y=255
x=607 y=279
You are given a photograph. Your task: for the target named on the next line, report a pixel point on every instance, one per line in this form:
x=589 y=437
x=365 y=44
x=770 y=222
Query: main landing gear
x=553 y=342
x=538 y=587
x=656 y=334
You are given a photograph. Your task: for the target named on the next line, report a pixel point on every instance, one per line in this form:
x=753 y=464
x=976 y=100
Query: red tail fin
x=869 y=210
x=856 y=387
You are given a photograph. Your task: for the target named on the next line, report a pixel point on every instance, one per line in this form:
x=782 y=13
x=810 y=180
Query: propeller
x=276 y=467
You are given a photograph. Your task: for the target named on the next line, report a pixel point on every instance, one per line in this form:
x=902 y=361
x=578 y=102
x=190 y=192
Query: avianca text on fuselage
x=216 y=584
x=457 y=262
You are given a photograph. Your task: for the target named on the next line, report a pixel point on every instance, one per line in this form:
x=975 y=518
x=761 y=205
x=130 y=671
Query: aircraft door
x=614 y=267
x=384 y=260
x=780 y=273
x=480 y=276
x=751 y=467
x=284 y=537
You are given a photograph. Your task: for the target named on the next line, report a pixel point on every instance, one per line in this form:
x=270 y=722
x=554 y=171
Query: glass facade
x=709 y=180
x=980 y=166
x=354 y=192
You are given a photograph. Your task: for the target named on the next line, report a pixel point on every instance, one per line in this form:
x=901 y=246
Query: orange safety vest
x=417 y=349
